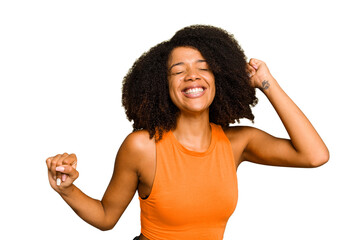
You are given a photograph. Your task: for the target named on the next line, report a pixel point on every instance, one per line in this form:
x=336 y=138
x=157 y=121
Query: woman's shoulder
x=242 y=135
x=239 y=137
x=139 y=142
x=136 y=151
x=234 y=132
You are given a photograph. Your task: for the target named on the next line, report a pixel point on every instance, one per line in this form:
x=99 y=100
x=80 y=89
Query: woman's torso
x=148 y=164
x=147 y=169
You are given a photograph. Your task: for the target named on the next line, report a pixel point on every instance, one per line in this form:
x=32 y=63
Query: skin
x=135 y=162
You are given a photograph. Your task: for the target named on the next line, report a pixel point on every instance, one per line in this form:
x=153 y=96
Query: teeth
x=194 y=90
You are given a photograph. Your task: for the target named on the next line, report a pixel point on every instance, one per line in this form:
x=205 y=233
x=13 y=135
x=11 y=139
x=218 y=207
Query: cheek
x=172 y=89
x=212 y=95
x=213 y=88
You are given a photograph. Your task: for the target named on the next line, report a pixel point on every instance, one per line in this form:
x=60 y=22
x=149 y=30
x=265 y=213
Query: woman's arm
x=105 y=213
x=305 y=148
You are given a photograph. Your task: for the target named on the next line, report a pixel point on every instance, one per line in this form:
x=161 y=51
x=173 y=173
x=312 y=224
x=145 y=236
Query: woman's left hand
x=259 y=73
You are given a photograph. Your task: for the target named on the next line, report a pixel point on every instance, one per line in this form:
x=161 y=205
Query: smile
x=194 y=92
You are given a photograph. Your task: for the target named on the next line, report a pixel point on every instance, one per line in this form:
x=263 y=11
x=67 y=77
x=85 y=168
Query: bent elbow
x=105 y=228
x=319 y=159
x=106 y=225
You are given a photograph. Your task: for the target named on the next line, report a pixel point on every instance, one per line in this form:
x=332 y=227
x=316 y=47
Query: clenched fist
x=62 y=171
x=260 y=75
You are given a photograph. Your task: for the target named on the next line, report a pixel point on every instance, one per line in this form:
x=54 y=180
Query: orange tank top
x=193 y=194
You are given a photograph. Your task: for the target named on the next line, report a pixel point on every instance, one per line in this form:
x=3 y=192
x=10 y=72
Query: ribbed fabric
x=193 y=194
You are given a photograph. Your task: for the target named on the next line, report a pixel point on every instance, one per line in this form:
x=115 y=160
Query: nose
x=192 y=75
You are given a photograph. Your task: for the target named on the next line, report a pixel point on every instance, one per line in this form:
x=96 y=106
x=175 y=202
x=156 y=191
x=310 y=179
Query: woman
x=183 y=155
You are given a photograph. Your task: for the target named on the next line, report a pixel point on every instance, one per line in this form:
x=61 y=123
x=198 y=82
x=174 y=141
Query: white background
x=61 y=70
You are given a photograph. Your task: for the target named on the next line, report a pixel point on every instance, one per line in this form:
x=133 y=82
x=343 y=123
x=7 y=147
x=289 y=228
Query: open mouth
x=194 y=91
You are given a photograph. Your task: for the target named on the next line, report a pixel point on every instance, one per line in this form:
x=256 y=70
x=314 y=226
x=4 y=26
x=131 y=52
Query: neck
x=193 y=131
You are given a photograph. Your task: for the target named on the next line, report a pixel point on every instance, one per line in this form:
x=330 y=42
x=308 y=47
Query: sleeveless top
x=194 y=193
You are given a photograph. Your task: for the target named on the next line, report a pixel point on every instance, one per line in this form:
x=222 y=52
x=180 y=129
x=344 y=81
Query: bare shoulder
x=240 y=133
x=239 y=137
x=137 y=148
x=138 y=141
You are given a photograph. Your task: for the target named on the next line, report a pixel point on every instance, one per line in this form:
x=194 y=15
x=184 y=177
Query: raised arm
x=305 y=148
x=105 y=213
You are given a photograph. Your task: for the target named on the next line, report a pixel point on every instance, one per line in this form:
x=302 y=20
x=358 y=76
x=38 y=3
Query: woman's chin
x=195 y=110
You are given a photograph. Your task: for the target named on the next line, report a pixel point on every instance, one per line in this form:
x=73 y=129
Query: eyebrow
x=182 y=63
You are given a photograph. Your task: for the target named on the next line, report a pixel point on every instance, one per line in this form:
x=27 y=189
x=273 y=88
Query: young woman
x=182 y=156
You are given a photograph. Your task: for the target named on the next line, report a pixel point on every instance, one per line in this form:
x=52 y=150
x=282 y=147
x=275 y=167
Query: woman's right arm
x=102 y=214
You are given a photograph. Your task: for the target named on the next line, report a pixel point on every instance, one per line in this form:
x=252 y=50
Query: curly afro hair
x=146 y=96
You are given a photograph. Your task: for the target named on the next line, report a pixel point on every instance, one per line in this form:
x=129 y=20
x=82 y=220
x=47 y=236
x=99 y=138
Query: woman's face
x=191 y=82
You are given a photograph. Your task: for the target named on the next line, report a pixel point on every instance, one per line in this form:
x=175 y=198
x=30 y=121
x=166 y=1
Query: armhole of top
x=230 y=146
x=155 y=174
